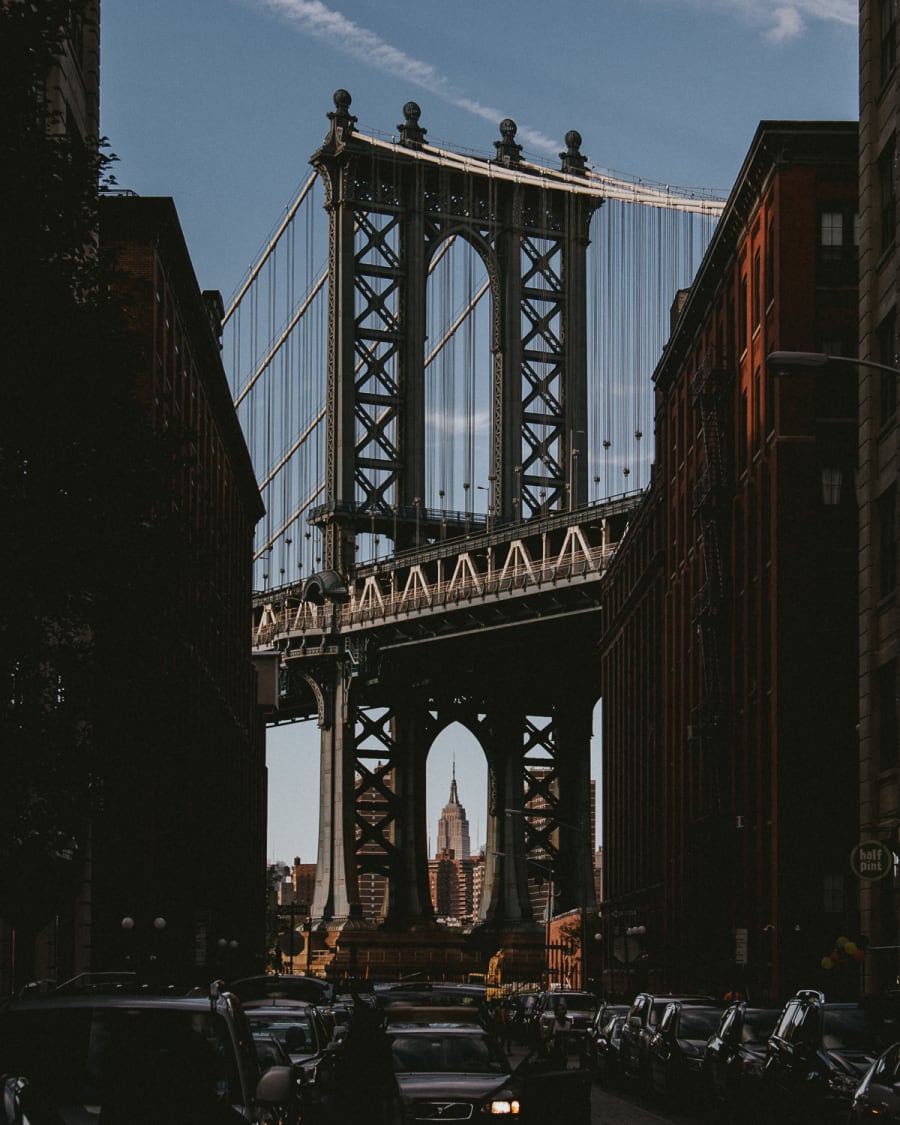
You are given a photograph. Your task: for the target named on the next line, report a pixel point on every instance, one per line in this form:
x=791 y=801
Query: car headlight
x=500 y=1106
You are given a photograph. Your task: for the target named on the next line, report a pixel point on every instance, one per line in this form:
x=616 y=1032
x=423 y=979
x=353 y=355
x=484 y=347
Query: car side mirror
x=276 y=1085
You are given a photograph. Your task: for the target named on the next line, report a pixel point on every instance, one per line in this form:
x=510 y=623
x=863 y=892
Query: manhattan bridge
x=442 y=365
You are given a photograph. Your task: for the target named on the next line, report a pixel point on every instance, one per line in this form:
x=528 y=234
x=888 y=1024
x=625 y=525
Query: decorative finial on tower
x=342 y=120
x=508 y=151
x=411 y=135
x=573 y=160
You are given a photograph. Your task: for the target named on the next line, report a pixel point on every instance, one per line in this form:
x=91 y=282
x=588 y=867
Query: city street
x=625 y=1106
x=620 y=1107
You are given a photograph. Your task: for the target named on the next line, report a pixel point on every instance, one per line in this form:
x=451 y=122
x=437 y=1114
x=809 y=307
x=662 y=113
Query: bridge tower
x=392 y=206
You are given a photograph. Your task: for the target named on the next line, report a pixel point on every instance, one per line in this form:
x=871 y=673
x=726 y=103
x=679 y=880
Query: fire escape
x=710 y=508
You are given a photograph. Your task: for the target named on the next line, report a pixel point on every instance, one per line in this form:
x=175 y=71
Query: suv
x=640 y=1027
x=581 y=1007
x=139 y=1057
x=816 y=1057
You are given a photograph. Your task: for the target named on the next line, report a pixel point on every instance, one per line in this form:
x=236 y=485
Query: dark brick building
x=183 y=829
x=729 y=658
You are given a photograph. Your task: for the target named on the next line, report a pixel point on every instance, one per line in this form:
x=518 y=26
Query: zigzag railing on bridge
x=462 y=572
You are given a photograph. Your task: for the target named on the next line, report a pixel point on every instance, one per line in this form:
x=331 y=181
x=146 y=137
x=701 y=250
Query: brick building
x=730 y=798
x=879 y=627
x=183 y=829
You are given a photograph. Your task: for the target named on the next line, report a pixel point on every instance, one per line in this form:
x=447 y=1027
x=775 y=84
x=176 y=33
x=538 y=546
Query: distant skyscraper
x=453 y=826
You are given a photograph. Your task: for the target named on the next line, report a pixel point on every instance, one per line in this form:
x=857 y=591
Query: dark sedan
x=878 y=1096
x=734 y=1061
x=676 y=1050
x=460 y=1073
x=817 y=1056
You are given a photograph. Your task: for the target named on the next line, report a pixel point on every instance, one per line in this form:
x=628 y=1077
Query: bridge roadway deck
x=479 y=601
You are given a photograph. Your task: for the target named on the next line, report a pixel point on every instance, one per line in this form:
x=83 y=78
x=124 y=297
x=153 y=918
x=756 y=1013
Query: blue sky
x=220 y=103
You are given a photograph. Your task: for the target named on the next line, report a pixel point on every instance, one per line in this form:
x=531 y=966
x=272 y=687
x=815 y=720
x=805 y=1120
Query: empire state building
x=453 y=826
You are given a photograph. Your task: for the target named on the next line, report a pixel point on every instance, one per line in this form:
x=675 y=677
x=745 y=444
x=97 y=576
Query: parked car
x=298 y=1027
x=877 y=1097
x=640 y=1027
x=520 y=1004
x=282 y=986
x=139 y=1058
x=675 y=1052
x=817 y=1056
x=581 y=1007
x=606 y=1042
x=733 y=1064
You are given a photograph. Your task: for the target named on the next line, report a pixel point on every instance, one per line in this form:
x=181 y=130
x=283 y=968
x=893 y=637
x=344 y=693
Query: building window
x=757 y=288
x=887 y=716
x=888 y=12
x=838 y=236
x=831 y=234
x=887 y=195
x=887 y=353
x=770 y=263
x=742 y=313
x=833 y=887
x=757 y=407
x=887 y=542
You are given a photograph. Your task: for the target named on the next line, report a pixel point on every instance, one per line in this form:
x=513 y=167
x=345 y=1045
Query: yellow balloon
x=841 y=942
x=827 y=963
x=849 y=948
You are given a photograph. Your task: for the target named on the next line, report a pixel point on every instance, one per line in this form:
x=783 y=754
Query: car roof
x=115 y=1000
x=281 y=986
x=443 y=1028
x=294 y=1011
x=704 y=1001
x=280 y=1003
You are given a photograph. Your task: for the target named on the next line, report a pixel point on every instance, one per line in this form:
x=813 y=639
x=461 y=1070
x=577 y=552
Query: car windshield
x=123 y=1059
x=293 y=1030
x=847 y=1029
x=758 y=1026
x=579 y=1001
x=697 y=1023
x=440 y=1054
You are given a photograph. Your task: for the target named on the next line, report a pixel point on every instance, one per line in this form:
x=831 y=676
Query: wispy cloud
x=782 y=22
x=312 y=17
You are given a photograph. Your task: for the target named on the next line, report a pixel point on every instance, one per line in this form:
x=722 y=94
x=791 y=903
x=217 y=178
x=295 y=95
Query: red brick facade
x=730 y=809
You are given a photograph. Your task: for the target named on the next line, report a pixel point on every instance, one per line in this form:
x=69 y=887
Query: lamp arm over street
x=783 y=362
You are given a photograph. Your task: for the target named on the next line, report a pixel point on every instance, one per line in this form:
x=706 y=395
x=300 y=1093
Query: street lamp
x=141 y=953
x=785 y=362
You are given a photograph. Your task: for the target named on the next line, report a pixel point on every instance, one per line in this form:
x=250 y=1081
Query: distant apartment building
x=298 y=885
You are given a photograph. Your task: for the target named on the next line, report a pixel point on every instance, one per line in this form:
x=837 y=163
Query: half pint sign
x=871 y=859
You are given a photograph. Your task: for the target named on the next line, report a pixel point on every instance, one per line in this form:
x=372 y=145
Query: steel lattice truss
x=447 y=617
